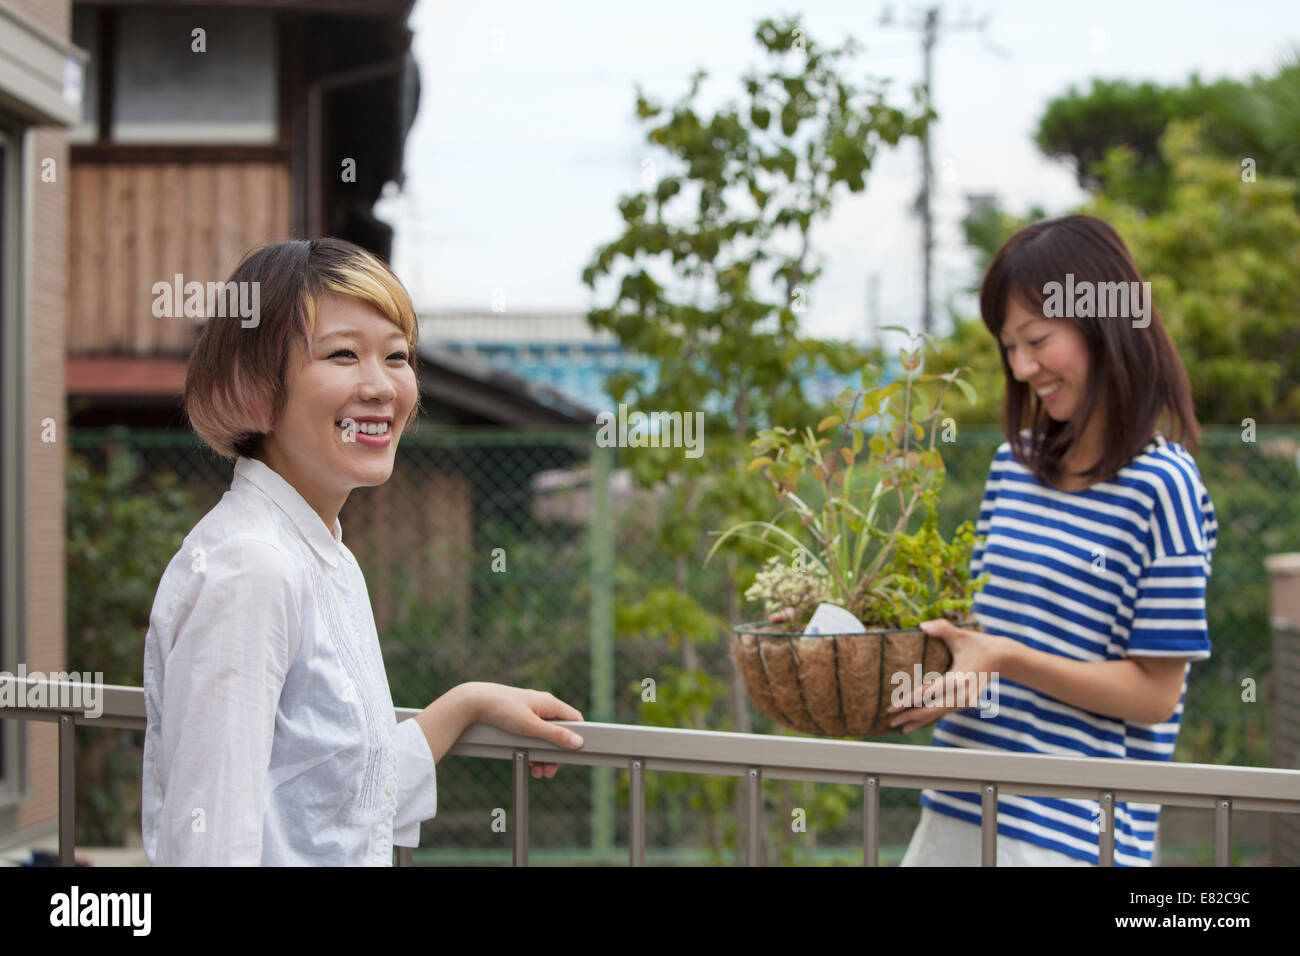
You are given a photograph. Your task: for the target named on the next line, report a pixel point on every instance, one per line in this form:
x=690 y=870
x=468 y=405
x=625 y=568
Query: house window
x=85 y=34
x=173 y=76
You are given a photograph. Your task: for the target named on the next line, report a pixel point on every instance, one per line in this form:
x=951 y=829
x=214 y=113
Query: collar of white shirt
x=287 y=499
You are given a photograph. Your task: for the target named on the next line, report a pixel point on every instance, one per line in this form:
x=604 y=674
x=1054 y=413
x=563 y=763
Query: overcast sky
x=525 y=137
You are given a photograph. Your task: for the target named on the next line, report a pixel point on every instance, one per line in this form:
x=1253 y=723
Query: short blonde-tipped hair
x=235 y=384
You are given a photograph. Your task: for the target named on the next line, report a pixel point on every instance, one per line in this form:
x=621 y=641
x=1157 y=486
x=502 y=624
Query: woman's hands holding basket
x=976 y=659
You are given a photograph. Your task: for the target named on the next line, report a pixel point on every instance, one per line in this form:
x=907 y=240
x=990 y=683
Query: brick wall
x=45 y=510
x=44 y=311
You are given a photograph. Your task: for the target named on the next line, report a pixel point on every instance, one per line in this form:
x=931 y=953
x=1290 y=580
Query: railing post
x=521 y=808
x=1223 y=832
x=636 y=813
x=871 y=821
x=989 y=826
x=601 y=641
x=754 y=817
x=67 y=790
x=1106 y=841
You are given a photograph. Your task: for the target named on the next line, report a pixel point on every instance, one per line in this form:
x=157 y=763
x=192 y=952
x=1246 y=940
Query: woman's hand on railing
x=529 y=712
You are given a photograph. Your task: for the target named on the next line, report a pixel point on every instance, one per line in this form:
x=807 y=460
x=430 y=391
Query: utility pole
x=873 y=310
x=927 y=175
x=929 y=27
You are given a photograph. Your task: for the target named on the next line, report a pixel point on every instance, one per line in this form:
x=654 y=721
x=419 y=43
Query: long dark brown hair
x=1138 y=370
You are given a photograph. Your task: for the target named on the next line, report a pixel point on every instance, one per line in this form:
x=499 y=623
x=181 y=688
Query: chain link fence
x=499 y=556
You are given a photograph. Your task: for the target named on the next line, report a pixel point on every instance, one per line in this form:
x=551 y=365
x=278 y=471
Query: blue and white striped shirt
x=1114 y=571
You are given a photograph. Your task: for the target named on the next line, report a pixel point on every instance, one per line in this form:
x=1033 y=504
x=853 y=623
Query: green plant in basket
x=852 y=490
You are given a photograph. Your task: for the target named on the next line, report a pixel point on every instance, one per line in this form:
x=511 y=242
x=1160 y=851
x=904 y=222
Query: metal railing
x=578 y=537
x=756 y=757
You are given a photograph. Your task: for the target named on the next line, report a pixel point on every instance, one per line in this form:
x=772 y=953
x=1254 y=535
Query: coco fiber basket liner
x=833 y=685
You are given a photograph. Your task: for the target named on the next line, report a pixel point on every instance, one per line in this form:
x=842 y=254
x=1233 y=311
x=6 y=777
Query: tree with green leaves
x=1258 y=120
x=714 y=267
x=1223 y=260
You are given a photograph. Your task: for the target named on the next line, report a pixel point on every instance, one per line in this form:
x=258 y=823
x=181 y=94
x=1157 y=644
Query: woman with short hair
x=271 y=736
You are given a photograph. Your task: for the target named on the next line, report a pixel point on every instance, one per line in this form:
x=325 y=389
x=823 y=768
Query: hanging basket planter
x=833 y=685
x=847 y=556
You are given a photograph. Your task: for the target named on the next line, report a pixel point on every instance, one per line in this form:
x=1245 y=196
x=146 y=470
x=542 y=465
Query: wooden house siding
x=137 y=223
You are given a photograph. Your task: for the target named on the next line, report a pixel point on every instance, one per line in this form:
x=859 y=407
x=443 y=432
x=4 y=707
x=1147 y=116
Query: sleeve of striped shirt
x=1169 y=617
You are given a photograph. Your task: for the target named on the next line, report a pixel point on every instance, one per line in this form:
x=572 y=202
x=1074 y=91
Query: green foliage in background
x=1220 y=247
x=123 y=527
x=713 y=266
x=1223 y=260
x=1257 y=120
x=1255 y=487
x=525 y=624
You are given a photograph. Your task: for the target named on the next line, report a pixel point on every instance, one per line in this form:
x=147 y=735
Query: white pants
x=941 y=840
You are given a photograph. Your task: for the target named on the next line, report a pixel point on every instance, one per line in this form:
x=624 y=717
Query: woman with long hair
x=1098 y=535
x=271 y=737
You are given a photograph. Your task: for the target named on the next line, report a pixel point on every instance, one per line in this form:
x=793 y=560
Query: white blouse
x=271 y=737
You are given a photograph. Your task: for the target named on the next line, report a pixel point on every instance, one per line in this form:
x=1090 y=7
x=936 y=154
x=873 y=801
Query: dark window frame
x=102 y=149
